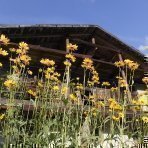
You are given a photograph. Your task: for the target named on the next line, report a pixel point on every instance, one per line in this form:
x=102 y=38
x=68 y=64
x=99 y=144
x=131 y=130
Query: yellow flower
x=32 y=92
x=25 y=59
x=47 y=62
x=53 y=78
x=111 y=100
x=3 y=52
x=87 y=63
x=47 y=76
x=105 y=84
x=4 y=40
x=115 y=118
x=113 y=104
x=79 y=86
x=22 y=65
x=91 y=97
x=122 y=83
x=30 y=72
x=119 y=78
x=94 y=114
x=70 y=57
x=64 y=90
x=113 y=89
x=50 y=70
x=1 y=64
x=16 y=60
x=133 y=66
x=57 y=74
x=99 y=104
x=18 y=51
x=12 y=49
x=24 y=46
x=140 y=101
x=95 y=79
x=145 y=80
x=72 y=47
x=145 y=119
x=10 y=84
x=56 y=88
x=2 y=116
x=119 y=64
x=40 y=84
x=67 y=63
x=73 y=97
x=121 y=115
x=127 y=61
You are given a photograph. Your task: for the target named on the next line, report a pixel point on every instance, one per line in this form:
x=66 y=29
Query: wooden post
x=67 y=42
x=93 y=41
x=125 y=78
x=95 y=48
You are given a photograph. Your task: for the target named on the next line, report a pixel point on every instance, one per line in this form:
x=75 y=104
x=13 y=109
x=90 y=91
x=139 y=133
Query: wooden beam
x=67 y=42
x=61 y=52
x=45 y=49
x=13 y=36
x=96 y=45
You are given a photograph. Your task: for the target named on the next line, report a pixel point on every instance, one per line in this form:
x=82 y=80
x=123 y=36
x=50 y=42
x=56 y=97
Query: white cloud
x=144 y=48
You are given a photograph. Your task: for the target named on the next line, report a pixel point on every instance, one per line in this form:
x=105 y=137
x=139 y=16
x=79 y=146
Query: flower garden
x=56 y=110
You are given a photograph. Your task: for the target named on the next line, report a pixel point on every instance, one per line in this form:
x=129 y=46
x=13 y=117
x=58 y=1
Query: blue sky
x=126 y=19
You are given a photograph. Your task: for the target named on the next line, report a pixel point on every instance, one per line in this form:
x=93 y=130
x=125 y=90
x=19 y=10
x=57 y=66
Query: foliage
x=61 y=112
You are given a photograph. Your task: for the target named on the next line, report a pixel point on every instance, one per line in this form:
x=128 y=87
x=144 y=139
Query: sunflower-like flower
x=47 y=62
x=127 y=61
x=23 y=46
x=70 y=57
x=25 y=59
x=79 y=86
x=64 y=90
x=121 y=115
x=73 y=97
x=16 y=60
x=95 y=78
x=145 y=119
x=32 y=93
x=72 y=47
x=113 y=104
x=18 y=51
x=2 y=116
x=3 y=52
x=105 y=84
x=113 y=89
x=133 y=66
x=118 y=116
x=115 y=118
x=4 y=40
x=67 y=63
x=119 y=64
x=145 y=80
x=56 y=88
x=10 y=84
x=122 y=83
x=87 y=63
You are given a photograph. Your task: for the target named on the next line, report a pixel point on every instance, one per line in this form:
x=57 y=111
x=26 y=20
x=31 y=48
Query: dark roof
x=54 y=36
x=93 y=30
